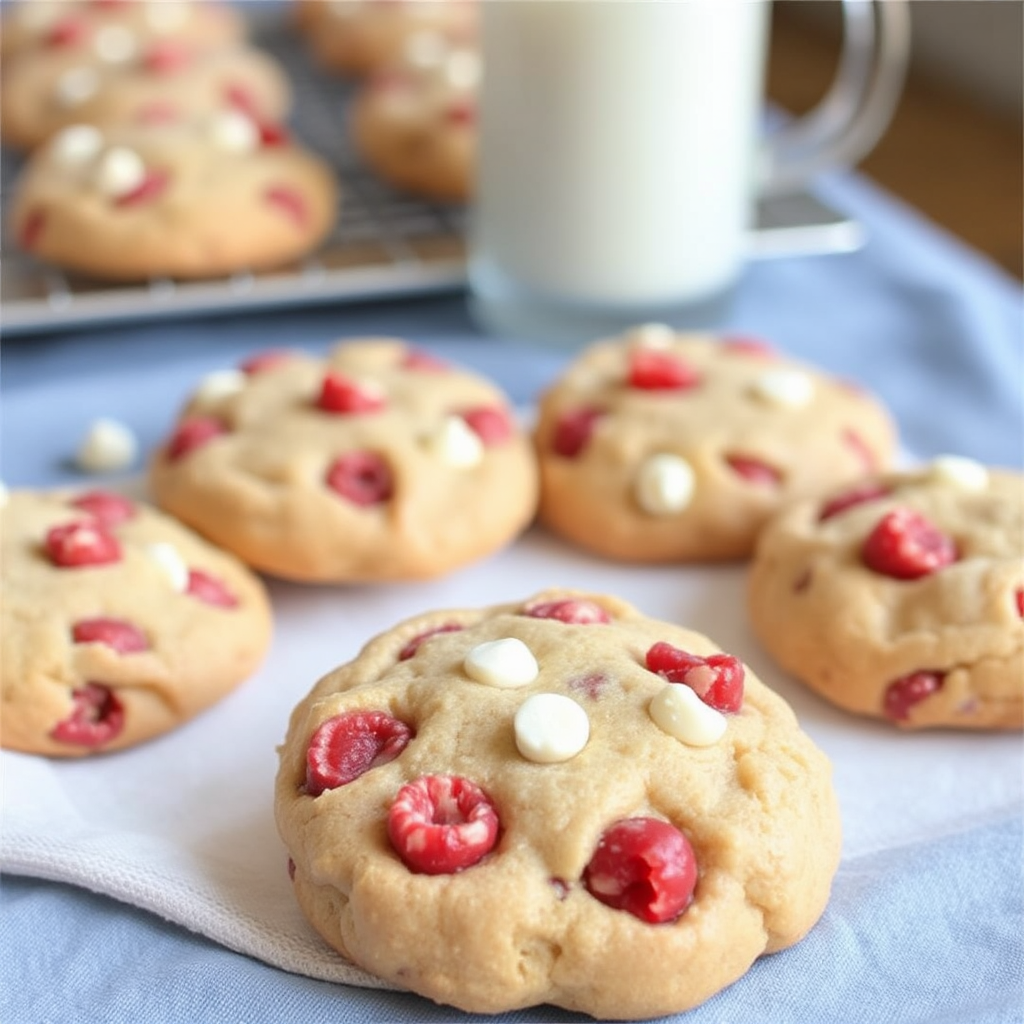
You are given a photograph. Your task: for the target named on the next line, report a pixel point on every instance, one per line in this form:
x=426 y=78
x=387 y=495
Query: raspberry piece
x=67 y=32
x=1019 y=597
x=716 y=679
x=417 y=359
x=903 y=693
x=906 y=546
x=109 y=509
x=364 y=478
x=209 y=589
x=152 y=186
x=754 y=470
x=193 y=433
x=574 y=611
x=341 y=394
x=265 y=360
x=592 y=685
x=462 y=112
x=643 y=866
x=157 y=112
x=651 y=370
x=859 y=447
x=167 y=57
x=96 y=718
x=290 y=201
x=32 y=228
x=573 y=430
x=849 y=499
x=272 y=135
x=414 y=644
x=82 y=543
x=118 y=634
x=242 y=99
x=747 y=346
x=348 y=745
x=490 y=423
x=440 y=824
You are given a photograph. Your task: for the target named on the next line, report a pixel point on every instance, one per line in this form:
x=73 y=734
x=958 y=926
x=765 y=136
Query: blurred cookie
x=607 y=813
x=377 y=463
x=903 y=598
x=415 y=122
x=665 y=447
x=160 y=82
x=117 y=623
x=192 y=199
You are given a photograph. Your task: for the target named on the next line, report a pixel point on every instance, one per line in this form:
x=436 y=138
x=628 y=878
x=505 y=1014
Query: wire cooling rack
x=384 y=244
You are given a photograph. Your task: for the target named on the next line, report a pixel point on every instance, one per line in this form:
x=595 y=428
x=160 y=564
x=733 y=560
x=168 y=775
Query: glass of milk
x=621 y=154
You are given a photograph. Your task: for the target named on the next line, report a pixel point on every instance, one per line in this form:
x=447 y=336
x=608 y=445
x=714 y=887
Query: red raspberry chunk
x=167 y=57
x=573 y=430
x=110 y=509
x=272 y=135
x=905 y=545
x=414 y=644
x=651 y=370
x=440 y=824
x=348 y=745
x=152 y=186
x=209 y=589
x=364 y=478
x=849 y=499
x=490 y=423
x=461 y=112
x=716 y=679
x=117 y=634
x=591 y=685
x=290 y=202
x=747 y=346
x=80 y=544
x=1019 y=598
x=69 y=31
x=31 y=228
x=267 y=360
x=575 y=611
x=644 y=866
x=96 y=718
x=341 y=394
x=417 y=359
x=193 y=433
x=754 y=471
x=860 y=448
x=903 y=693
x=241 y=97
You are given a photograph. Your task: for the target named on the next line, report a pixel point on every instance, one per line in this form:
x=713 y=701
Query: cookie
x=359 y=37
x=209 y=196
x=116 y=28
x=415 y=122
x=903 y=598
x=117 y=623
x=665 y=447
x=376 y=463
x=576 y=804
x=160 y=82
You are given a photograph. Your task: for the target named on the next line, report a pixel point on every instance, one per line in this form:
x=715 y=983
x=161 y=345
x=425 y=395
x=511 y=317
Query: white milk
x=617 y=150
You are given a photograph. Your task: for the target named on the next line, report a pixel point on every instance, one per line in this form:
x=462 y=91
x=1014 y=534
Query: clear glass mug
x=621 y=153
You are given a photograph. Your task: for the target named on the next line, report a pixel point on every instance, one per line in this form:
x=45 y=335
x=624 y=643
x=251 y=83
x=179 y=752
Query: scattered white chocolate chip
x=678 y=711
x=426 y=49
x=76 y=86
x=120 y=171
x=664 y=484
x=115 y=44
x=651 y=336
x=233 y=131
x=958 y=471
x=550 y=728
x=76 y=144
x=108 y=445
x=791 y=388
x=217 y=386
x=166 y=15
x=462 y=70
x=506 y=663
x=170 y=561
x=456 y=443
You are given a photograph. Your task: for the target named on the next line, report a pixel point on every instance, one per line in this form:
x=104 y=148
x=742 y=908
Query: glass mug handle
x=858 y=107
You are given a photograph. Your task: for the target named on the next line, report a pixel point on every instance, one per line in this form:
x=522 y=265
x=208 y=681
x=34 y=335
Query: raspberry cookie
x=378 y=463
x=210 y=196
x=117 y=623
x=662 y=447
x=581 y=805
x=160 y=82
x=415 y=122
x=903 y=598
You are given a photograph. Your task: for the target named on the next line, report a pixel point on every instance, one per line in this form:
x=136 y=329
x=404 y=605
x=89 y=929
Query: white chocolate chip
x=664 y=484
x=217 y=386
x=462 y=70
x=426 y=49
x=678 y=711
x=170 y=561
x=166 y=15
x=76 y=144
x=506 y=663
x=456 y=443
x=115 y=44
x=550 y=728
x=791 y=388
x=958 y=471
x=121 y=171
x=108 y=445
x=76 y=86
x=657 y=336
x=233 y=131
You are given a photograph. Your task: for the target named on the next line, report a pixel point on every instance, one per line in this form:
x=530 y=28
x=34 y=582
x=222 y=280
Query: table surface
x=928 y=931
